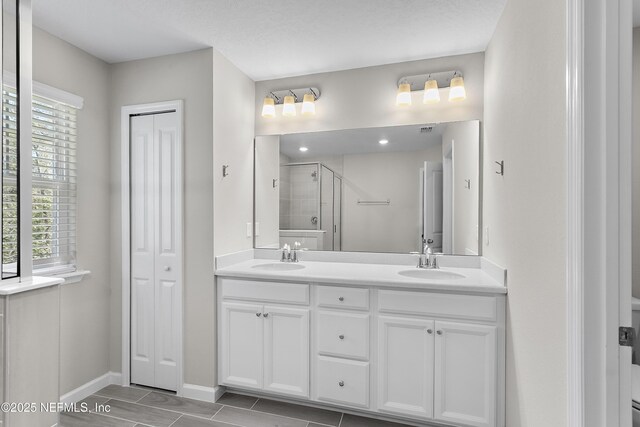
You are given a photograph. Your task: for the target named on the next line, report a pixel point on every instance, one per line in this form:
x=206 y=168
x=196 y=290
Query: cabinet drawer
x=342 y=381
x=433 y=304
x=343 y=334
x=341 y=297
x=251 y=290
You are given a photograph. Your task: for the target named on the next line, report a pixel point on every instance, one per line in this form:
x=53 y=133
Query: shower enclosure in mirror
x=387 y=189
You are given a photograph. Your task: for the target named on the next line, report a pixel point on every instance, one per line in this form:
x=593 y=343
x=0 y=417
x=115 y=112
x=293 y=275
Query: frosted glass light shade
x=431 y=92
x=289 y=107
x=403 y=98
x=456 y=89
x=308 y=105
x=268 y=108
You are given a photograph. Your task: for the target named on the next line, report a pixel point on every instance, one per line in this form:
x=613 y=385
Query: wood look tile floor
x=142 y=407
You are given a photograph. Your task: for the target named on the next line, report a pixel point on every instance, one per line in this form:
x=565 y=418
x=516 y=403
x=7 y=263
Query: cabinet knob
x=258 y=314
x=266 y=314
x=341 y=299
x=341 y=383
x=429 y=331
x=167 y=268
x=341 y=337
x=439 y=332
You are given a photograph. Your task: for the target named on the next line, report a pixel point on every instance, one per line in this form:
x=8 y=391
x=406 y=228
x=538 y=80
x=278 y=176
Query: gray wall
x=189 y=77
x=525 y=210
x=84 y=332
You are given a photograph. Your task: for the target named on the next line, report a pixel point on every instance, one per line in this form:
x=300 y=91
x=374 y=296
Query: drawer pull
x=439 y=332
x=341 y=383
x=341 y=299
x=258 y=314
x=341 y=337
x=429 y=331
x=266 y=314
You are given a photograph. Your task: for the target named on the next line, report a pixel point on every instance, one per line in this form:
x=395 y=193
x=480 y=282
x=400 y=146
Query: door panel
x=286 y=350
x=168 y=329
x=405 y=366
x=433 y=204
x=242 y=342
x=465 y=373
x=142 y=252
x=156 y=250
x=142 y=331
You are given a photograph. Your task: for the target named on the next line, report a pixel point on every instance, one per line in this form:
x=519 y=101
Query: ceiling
x=273 y=39
x=359 y=141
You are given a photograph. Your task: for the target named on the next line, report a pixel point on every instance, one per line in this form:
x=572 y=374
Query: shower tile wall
x=298 y=197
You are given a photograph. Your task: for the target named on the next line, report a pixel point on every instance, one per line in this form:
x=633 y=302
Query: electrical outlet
x=249 y=230
x=257 y=229
x=486 y=236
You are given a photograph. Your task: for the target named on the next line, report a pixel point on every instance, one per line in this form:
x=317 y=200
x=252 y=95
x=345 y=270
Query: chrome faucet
x=428 y=259
x=288 y=254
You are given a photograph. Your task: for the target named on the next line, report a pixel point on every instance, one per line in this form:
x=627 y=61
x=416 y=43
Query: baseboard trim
x=199 y=392
x=91 y=387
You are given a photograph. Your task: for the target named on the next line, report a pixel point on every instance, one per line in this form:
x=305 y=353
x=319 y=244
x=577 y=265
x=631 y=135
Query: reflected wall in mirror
x=383 y=189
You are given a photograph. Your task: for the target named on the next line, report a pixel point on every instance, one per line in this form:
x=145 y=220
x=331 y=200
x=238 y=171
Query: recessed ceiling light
x=303 y=149
x=383 y=141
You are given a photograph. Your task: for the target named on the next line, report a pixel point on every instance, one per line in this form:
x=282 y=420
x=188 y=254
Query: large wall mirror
x=385 y=189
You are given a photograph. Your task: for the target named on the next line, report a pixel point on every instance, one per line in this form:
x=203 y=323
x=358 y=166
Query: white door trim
x=598 y=210
x=126 y=112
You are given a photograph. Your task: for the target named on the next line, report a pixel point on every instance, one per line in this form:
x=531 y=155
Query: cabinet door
x=286 y=350
x=405 y=366
x=465 y=374
x=241 y=332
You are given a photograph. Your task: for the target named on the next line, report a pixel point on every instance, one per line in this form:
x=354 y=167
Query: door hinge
x=626 y=336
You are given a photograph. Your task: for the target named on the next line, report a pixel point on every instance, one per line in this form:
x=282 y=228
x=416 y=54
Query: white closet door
x=168 y=249
x=142 y=251
x=156 y=248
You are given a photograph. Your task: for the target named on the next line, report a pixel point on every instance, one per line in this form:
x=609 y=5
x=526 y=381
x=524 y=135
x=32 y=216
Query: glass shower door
x=326 y=207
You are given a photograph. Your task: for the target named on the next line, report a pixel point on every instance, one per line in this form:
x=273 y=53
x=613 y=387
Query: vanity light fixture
x=431 y=84
x=303 y=149
x=383 y=142
x=269 y=106
x=431 y=92
x=403 y=98
x=309 y=103
x=289 y=107
x=457 y=91
x=288 y=98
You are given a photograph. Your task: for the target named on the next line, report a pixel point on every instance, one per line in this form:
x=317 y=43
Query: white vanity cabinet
x=422 y=355
x=264 y=346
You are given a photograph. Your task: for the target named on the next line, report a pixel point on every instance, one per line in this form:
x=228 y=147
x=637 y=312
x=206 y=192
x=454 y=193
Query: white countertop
x=35 y=282
x=476 y=280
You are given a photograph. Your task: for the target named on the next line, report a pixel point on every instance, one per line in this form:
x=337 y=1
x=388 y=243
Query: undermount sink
x=417 y=273
x=278 y=266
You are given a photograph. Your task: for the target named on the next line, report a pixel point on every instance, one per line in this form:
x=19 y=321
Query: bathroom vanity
x=366 y=333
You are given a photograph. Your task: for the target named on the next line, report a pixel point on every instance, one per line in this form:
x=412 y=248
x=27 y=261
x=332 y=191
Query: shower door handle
x=314 y=220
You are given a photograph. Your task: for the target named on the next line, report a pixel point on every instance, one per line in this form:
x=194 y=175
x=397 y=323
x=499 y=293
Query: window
x=54 y=181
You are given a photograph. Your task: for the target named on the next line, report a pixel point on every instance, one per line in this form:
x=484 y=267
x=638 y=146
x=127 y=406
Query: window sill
x=72 y=277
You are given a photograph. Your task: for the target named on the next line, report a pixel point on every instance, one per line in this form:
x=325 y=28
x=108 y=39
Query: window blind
x=54 y=181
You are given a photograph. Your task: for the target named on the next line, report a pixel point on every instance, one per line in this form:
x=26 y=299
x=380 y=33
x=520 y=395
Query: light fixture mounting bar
x=417 y=82
x=298 y=94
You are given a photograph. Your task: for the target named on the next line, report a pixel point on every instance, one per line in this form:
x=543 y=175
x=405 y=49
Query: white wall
x=233 y=102
x=525 y=210
x=85 y=308
x=366 y=97
x=189 y=77
x=636 y=162
x=464 y=138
